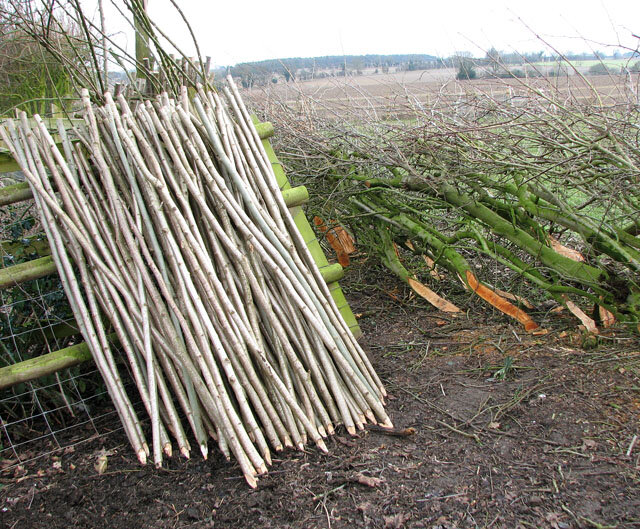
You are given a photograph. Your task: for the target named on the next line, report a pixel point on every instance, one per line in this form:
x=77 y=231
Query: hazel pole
x=193 y=411
x=345 y=333
x=278 y=252
x=228 y=416
x=28 y=164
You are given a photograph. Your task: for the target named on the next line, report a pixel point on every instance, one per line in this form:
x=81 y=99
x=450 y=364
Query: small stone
x=535 y=500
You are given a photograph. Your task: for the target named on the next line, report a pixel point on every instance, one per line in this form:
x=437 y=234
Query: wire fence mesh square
x=55 y=411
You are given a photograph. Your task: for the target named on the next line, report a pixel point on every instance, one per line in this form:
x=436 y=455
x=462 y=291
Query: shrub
x=601 y=69
x=466 y=71
x=36 y=52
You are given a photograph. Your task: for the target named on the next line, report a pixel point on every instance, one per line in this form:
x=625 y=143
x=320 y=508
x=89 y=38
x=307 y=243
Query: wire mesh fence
x=55 y=411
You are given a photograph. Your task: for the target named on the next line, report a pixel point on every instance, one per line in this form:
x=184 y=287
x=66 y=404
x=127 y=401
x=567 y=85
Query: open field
x=401 y=94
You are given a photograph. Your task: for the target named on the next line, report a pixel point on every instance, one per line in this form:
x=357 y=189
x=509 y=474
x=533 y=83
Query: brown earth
x=544 y=446
x=403 y=94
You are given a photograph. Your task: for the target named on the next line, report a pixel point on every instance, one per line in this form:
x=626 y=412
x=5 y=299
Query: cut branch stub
x=500 y=303
x=339 y=239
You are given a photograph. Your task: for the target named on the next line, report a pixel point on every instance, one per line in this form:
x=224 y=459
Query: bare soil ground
x=549 y=444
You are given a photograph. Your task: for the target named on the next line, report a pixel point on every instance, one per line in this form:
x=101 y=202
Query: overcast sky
x=239 y=31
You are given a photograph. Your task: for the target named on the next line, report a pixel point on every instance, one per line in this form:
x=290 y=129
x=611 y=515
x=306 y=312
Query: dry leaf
x=554 y=519
x=369 y=481
x=396 y=521
x=367 y=509
x=393 y=294
x=500 y=303
x=345 y=442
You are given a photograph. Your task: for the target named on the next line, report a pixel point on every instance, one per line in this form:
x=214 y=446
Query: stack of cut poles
x=171 y=235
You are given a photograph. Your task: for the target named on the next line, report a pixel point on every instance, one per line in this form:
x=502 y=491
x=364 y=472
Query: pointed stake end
x=251 y=480
x=323 y=447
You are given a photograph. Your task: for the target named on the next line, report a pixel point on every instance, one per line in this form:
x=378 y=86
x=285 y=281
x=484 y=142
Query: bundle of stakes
x=172 y=239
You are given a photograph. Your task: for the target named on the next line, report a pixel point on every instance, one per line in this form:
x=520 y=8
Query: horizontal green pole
x=15 y=193
x=295 y=196
x=7 y=163
x=265 y=129
x=332 y=273
x=13 y=275
x=46 y=364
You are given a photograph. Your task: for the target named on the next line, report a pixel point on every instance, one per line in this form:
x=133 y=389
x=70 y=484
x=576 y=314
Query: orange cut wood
x=564 y=251
x=513 y=297
x=339 y=239
x=588 y=323
x=606 y=317
x=500 y=303
x=433 y=298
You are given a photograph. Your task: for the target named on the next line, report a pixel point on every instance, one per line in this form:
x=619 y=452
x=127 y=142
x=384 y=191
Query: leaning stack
x=171 y=235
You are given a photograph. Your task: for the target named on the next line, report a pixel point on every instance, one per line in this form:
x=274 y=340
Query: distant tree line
x=302 y=68
x=497 y=63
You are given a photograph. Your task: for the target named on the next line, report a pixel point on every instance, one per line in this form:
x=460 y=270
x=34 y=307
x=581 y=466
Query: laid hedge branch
x=538 y=193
